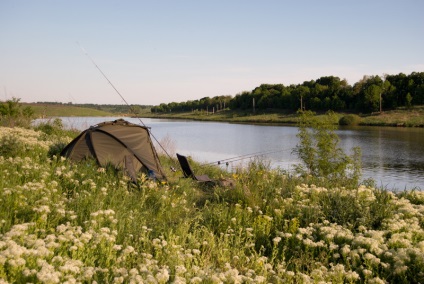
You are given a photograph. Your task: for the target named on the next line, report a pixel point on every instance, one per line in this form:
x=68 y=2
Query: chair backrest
x=185 y=166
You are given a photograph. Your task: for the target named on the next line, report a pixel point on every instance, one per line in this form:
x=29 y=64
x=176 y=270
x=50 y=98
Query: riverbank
x=401 y=117
x=62 y=221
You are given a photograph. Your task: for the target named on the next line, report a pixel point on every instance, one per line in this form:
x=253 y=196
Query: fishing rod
x=246 y=156
x=232 y=161
x=122 y=97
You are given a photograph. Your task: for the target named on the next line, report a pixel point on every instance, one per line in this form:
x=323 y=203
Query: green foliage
x=350 y=120
x=12 y=113
x=322 y=158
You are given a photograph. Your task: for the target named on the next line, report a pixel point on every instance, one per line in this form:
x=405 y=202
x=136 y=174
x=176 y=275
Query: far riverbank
x=401 y=117
x=413 y=117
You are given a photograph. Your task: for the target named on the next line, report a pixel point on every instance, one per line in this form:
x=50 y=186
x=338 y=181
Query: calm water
x=393 y=157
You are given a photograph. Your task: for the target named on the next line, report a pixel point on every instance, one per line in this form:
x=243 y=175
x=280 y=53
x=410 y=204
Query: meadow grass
x=63 y=222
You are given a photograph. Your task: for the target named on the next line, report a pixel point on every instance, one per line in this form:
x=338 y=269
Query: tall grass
x=63 y=222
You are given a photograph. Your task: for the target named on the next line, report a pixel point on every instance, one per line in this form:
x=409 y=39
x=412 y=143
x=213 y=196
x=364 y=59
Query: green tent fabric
x=120 y=143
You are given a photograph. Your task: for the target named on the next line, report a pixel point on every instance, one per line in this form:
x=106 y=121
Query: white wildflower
x=162 y=276
x=367 y=272
x=128 y=250
x=260 y=279
x=196 y=280
x=117 y=247
x=276 y=240
x=376 y=280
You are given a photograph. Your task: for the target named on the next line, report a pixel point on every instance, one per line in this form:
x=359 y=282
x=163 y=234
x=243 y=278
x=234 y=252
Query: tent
x=119 y=143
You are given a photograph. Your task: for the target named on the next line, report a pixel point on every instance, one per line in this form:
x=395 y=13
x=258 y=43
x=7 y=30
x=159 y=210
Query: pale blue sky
x=163 y=51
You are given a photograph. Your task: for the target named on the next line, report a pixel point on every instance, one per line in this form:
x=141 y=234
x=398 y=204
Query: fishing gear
x=122 y=97
x=246 y=156
x=242 y=156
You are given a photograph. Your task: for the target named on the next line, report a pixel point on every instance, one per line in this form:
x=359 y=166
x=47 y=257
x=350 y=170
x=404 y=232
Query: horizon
x=162 y=52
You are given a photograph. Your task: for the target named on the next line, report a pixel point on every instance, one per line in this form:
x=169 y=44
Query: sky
x=166 y=51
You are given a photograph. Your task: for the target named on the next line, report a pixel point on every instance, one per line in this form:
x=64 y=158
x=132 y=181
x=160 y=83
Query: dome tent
x=119 y=143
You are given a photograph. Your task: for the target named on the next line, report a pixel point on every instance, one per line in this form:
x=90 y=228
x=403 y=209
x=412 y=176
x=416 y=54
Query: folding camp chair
x=188 y=172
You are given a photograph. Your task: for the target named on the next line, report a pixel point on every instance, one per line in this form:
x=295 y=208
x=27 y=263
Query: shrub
x=19 y=142
x=10 y=146
x=51 y=127
x=321 y=155
x=54 y=131
x=56 y=148
x=13 y=114
x=349 y=120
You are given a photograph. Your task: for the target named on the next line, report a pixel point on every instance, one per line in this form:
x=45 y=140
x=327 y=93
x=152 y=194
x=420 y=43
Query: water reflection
x=392 y=156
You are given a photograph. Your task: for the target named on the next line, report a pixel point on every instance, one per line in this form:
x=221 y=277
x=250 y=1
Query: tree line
x=370 y=94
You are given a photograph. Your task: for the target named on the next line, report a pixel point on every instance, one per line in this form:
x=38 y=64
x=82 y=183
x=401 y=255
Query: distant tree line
x=209 y=104
x=370 y=94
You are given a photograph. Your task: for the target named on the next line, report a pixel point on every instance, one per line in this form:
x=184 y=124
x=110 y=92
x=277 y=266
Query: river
x=392 y=156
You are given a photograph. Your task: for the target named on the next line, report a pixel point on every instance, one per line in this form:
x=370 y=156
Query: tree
x=135 y=109
x=408 y=100
x=372 y=97
x=337 y=103
x=302 y=93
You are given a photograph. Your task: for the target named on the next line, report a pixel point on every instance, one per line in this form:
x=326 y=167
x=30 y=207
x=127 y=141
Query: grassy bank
x=401 y=117
x=413 y=117
x=52 y=110
x=62 y=222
